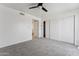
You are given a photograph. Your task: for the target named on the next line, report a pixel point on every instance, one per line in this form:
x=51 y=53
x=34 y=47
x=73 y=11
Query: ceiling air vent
x=22 y=14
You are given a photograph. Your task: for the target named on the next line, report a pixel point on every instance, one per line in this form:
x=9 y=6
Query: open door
x=35 y=29
x=44 y=29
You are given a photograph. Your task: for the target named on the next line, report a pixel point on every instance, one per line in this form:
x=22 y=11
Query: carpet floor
x=40 y=47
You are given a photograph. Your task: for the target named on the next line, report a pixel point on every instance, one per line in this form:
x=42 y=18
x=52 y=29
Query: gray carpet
x=41 y=47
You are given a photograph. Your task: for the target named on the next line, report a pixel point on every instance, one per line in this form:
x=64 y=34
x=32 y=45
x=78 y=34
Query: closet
x=63 y=29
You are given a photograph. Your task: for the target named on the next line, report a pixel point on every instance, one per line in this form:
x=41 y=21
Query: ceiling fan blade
x=33 y=7
x=44 y=9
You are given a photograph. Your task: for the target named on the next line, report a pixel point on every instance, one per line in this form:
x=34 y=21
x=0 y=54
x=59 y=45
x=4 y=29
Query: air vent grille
x=21 y=13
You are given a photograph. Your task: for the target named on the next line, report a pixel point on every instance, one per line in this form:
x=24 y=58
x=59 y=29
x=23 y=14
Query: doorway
x=44 y=29
x=35 y=29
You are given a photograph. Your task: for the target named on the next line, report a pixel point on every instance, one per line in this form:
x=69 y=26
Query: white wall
x=14 y=28
x=40 y=27
x=47 y=29
x=62 y=27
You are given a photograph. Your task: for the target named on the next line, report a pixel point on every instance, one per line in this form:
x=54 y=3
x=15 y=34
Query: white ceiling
x=53 y=8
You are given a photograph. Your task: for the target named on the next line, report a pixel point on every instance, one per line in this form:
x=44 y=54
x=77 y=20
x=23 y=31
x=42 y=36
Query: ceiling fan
x=39 y=4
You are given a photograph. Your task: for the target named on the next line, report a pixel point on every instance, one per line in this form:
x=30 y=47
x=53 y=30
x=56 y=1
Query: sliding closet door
x=77 y=29
x=66 y=29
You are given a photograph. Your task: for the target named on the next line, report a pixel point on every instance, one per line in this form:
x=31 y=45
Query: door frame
x=33 y=20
